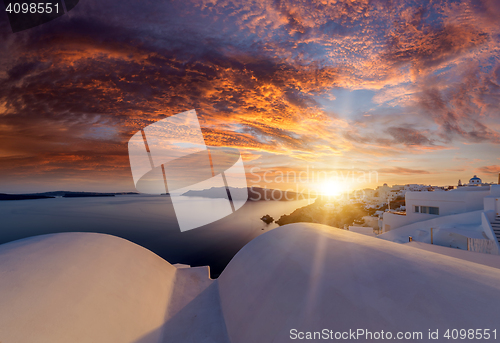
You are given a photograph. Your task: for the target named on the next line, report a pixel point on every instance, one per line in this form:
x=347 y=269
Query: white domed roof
x=89 y=287
x=310 y=277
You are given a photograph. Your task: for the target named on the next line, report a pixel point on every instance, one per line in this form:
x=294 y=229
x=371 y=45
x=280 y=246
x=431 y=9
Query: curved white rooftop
x=88 y=287
x=83 y=287
x=310 y=277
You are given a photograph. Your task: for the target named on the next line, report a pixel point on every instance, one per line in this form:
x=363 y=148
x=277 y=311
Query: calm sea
x=146 y=220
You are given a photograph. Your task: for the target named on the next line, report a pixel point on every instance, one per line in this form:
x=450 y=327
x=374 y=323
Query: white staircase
x=495 y=225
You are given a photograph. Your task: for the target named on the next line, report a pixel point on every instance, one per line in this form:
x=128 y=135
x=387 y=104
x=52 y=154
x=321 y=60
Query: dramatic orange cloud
x=326 y=83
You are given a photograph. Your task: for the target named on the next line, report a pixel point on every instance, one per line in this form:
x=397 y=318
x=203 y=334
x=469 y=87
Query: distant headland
x=54 y=194
x=254 y=194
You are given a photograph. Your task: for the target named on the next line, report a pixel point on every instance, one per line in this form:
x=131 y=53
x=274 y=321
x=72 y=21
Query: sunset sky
x=407 y=89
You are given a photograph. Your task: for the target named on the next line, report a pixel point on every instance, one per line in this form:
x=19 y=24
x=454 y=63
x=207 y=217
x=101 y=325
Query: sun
x=331 y=188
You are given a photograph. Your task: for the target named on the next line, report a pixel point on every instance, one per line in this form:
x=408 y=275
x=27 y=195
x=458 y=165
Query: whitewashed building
x=471 y=211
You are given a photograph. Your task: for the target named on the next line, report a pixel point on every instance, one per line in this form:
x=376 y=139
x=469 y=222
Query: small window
x=429 y=210
x=417 y=209
x=434 y=210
